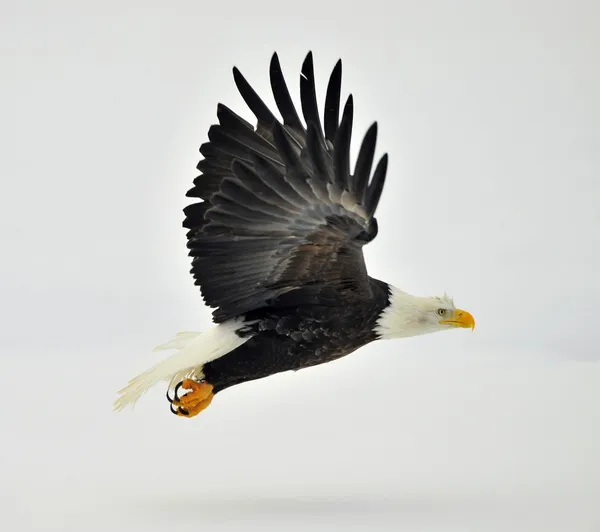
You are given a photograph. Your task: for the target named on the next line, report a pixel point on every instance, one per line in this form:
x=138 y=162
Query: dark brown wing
x=282 y=213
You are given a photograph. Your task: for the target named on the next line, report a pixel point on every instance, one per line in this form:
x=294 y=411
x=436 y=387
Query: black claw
x=176 y=397
x=175 y=392
x=178 y=410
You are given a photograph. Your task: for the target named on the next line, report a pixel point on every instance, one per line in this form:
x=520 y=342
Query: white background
x=489 y=111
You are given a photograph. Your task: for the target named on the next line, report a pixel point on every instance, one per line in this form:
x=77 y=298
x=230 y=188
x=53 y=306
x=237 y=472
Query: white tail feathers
x=179 y=342
x=193 y=351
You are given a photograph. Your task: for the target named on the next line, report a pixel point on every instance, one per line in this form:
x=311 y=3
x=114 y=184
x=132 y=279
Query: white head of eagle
x=275 y=237
x=408 y=315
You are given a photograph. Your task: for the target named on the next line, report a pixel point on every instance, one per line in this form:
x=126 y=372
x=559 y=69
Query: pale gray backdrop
x=489 y=111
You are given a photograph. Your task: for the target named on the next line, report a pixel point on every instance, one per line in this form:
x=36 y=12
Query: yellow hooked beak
x=461 y=318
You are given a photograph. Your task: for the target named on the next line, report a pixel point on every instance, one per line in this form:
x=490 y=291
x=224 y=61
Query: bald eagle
x=276 y=247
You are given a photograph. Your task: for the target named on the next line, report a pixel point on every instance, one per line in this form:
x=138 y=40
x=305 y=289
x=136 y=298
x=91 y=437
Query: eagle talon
x=190 y=404
x=176 y=400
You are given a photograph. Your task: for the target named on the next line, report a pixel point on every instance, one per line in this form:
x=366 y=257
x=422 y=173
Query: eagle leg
x=195 y=401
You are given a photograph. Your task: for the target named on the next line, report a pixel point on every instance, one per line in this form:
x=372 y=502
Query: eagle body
x=275 y=235
x=297 y=337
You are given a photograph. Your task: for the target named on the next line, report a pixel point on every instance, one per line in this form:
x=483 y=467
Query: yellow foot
x=193 y=402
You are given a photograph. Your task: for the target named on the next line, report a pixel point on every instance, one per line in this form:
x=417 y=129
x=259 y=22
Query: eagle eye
x=441 y=311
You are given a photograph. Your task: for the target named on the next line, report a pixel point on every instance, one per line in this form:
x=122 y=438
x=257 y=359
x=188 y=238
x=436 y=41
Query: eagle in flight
x=276 y=246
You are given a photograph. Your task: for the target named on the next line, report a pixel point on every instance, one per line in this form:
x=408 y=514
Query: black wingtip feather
x=331 y=114
x=349 y=109
x=376 y=186
x=282 y=96
x=253 y=100
x=308 y=94
x=364 y=163
x=342 y=146
x=227 y=117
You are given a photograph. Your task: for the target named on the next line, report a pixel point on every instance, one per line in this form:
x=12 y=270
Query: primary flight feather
x=277 y=249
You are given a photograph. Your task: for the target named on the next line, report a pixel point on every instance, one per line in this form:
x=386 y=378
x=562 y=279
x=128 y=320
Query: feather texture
x=282 y=212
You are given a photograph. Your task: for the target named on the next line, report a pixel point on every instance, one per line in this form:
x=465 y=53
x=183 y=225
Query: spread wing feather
x=283 y=218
